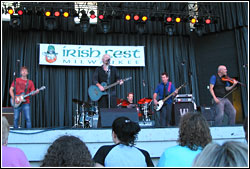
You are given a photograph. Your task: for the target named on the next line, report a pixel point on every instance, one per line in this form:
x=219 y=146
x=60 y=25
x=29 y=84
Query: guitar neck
x=29 y=94
x=173 y=93
x=112 y=85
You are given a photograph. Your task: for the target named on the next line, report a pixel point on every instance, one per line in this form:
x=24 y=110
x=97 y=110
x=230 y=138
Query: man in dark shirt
x=218 y=90
x=106 y=73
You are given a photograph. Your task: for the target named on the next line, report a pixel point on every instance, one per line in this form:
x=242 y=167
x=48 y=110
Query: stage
x=35 y=142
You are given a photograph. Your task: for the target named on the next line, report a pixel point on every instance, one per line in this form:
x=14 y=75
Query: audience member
x=245 y=127
x=194 y=135
x=11 y=156
x=230 y=154
x=123 y=153
x=68 y=151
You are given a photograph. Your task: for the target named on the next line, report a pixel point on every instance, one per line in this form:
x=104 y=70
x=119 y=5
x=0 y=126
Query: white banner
x=90 y=55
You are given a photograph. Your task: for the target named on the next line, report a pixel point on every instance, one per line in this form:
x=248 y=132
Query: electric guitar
x=19 y=99
x=161 y=102
x=95 y=93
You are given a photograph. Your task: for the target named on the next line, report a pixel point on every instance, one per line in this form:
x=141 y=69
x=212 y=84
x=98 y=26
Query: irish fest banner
x=90 y=55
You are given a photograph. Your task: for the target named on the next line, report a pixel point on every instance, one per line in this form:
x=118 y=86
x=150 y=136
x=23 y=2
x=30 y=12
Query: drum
x=91 y=111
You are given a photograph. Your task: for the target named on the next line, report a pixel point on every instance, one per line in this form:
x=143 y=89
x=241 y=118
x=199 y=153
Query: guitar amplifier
x=183 y=98
x=182 y=108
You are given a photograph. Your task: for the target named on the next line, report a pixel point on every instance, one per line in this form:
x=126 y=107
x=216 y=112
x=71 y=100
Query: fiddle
x=231 y=80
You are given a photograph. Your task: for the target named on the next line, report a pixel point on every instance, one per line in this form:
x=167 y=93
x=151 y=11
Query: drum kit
x=142 y=106
x=87 y=117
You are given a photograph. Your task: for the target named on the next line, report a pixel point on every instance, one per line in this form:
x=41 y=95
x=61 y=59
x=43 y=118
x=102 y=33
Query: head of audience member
x=5 y=131
x=164 y=77
x=194 y=131
x=130 y=97
x=229 y=154
x=245 y=127
x=68 y=151
x=124 y=131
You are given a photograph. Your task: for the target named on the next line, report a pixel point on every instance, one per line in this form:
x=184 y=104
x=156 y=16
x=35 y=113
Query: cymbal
x=122 y=102
x=144 y=100
x=77 y=101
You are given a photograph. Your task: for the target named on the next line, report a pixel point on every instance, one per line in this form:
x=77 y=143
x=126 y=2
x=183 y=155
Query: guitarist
x=164 y=89
x=106 y=73
x=23 y=86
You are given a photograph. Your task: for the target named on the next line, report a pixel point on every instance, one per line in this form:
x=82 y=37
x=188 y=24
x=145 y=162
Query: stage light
x=193 y=20
x=178 y=19
x=47 y=13
x=57 y=13
x=169 y=28
x=92 y=14
x=10 y=11
x=20 y=12
x=15 y=21
x=136 y=17
x=101 y=17
x=208 y=21
x=127 y=17
x=66 y=14
x=144 y=18
x=169 y=19
x=105 y=26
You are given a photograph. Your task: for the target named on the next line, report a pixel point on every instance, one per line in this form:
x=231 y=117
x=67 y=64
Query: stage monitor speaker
x=8 y=112
x=182 y=108
x=107 y=116
x=209 y=114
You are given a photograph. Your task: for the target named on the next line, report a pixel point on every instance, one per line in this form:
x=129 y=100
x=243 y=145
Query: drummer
x=130 y=98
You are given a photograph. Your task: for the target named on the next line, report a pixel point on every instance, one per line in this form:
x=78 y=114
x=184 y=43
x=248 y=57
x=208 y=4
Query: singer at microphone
x=106 y=74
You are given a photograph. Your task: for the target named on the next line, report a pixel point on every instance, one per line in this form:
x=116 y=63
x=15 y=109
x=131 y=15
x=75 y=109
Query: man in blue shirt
x=164 y=89
x=218 y=90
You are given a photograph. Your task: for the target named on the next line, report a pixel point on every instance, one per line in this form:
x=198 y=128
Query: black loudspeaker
x=209 y=114
x=107 y=116
x=8 y=112
x=182 y=108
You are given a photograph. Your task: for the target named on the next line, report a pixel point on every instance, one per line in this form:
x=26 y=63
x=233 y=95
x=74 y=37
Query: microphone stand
x=109 y=97
x=14 y=74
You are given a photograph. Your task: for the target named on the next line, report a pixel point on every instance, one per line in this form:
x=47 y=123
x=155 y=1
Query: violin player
x=219 y=86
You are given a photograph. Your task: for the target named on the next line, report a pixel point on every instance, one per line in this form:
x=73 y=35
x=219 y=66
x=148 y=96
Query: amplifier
x=183 y=98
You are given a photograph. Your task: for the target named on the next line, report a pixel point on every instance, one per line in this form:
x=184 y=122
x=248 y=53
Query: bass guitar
x=95 y=93
x=161 y=102
x=19 y=99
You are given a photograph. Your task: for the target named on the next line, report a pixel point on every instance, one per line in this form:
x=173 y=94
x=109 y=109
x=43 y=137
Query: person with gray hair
x=11 y=156
x=218 y=89
x=229 y=154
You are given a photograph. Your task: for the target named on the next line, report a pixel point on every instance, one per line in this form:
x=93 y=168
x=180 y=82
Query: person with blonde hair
x=11 y=156
x=229 y=154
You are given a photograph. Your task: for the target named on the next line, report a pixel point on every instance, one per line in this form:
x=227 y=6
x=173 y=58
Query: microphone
x=245 y=65
x=18 y=60
x=183 y=63
x=143 y=83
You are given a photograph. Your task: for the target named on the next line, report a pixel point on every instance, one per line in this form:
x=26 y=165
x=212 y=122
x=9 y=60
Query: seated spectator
x=11 y=156
x=123 y=153
x=230 y=154
x=245 y=127
x=194 y=135
x=68 y=151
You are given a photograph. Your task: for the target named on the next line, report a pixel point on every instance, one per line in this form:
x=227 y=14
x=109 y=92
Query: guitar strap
x=169 y=87
x=27 y=84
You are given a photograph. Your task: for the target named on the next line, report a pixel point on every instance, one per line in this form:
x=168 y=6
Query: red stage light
x=57 y=13
x=169 y=19
x=92 y=16
x=20 y=12
x=101 y=17
x=136 y=17
x=208 y=21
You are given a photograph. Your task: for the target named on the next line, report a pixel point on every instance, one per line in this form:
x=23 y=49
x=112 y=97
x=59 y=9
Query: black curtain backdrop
x=53 y=107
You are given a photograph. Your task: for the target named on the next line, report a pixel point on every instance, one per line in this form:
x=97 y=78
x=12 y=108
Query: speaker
x=182 y=108
x=209 y=114
x=107 y=116
x=8 y=112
